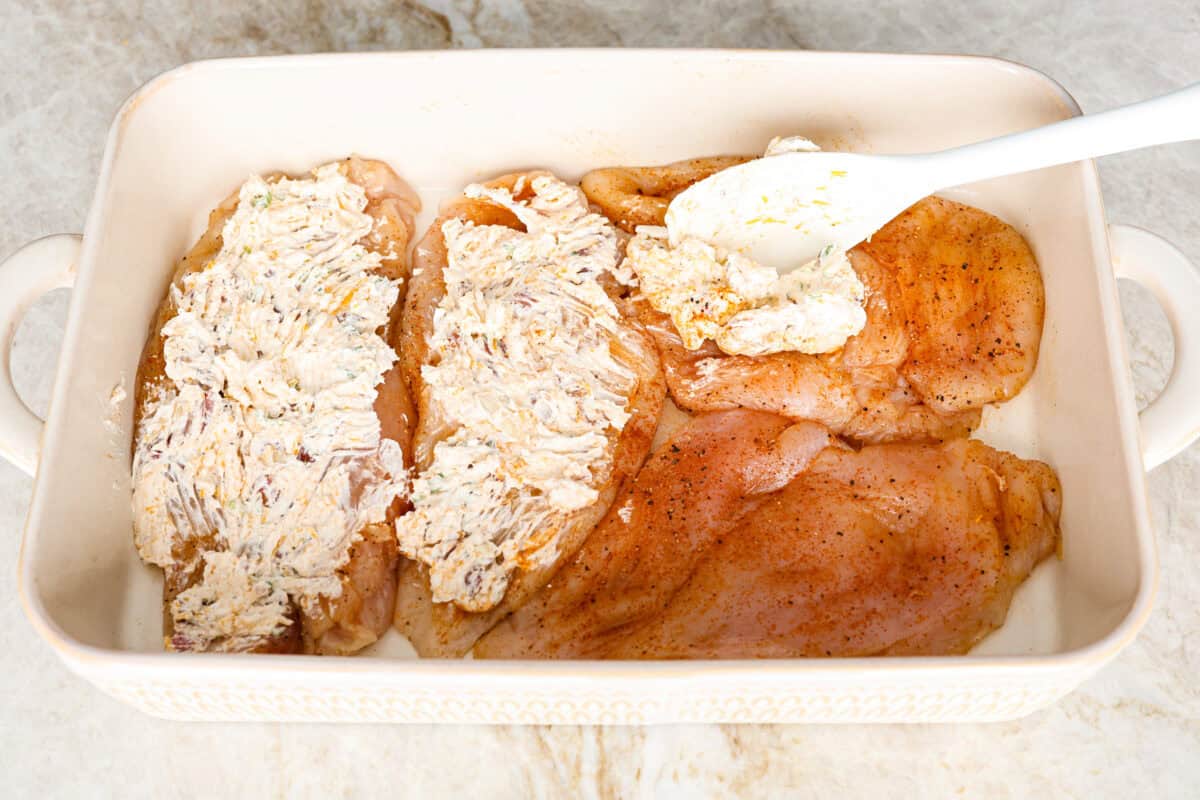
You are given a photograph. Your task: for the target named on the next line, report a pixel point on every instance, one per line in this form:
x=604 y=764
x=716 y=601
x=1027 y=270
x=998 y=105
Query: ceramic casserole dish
x=444 y=119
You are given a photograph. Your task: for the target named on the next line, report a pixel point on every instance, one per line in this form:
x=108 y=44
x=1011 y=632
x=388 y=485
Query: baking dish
x=445 y=118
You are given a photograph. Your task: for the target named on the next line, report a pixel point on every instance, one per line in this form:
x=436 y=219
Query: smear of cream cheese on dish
x=264 y=450
x=745 y=307
x=112 y=416
x=524 y=369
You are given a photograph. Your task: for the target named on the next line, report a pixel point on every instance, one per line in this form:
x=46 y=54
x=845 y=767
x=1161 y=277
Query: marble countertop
x=65 y=68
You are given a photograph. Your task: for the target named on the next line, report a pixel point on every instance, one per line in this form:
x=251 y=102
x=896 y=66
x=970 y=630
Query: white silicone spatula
x=784 y=209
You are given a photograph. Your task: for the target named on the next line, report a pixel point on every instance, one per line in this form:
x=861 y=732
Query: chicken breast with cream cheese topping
x=272 y=426
x=953 y=305
x=538 y=398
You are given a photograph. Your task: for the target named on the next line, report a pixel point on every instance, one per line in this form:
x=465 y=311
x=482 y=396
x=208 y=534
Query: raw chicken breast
x=748 y=536
x=633 y=196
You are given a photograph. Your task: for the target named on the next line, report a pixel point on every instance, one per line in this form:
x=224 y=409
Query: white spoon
x=782 y=210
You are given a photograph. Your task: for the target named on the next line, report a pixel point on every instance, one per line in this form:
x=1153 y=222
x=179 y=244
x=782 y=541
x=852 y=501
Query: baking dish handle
x=1172 y=421
x=26 y=275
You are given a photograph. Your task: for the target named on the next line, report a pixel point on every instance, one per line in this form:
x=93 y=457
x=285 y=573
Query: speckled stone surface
x=1134 y=729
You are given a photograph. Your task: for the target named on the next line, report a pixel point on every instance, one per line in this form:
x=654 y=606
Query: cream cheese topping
x=524 y=370
x=790 y=144
x=745 y=307
x=264 y=450
x=112 y=416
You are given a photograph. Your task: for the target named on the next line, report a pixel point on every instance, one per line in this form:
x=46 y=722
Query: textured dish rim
x=76 y=653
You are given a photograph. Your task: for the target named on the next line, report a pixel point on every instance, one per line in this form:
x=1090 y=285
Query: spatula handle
x=1174 y=117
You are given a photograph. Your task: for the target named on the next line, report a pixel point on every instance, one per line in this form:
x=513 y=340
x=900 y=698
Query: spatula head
x=783 y=210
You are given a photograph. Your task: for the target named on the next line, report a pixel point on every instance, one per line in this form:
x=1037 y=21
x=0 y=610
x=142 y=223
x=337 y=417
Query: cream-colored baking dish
x=444 y=119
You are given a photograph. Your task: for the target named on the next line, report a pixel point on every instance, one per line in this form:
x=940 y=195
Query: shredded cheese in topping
x=263 y=452
x=523 y=367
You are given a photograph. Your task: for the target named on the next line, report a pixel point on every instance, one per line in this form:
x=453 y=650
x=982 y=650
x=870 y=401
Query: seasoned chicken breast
x=746 y=535
x=634 y=196
x=512 y=348
x=197 y=515
x=954 y=309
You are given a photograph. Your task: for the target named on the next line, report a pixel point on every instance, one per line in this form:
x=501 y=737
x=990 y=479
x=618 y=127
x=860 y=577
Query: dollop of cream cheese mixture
x=745 y=307
x=524 y=368
x=264 y=450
